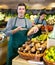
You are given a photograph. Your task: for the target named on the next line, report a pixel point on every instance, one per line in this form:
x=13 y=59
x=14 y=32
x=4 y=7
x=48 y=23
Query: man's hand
x=17 y=29
x=33 y=30
x=36 y=29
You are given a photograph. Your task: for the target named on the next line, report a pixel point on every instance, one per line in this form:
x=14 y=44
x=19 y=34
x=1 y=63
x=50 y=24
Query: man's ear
x=17 y=9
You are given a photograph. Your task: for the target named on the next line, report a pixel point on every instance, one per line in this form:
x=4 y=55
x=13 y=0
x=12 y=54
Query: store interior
x=8 y=9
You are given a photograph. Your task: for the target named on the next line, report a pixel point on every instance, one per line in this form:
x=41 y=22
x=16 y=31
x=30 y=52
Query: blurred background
x=8 y=10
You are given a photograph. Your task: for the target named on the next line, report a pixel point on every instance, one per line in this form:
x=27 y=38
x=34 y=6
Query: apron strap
x=15 y=21
x=38 y=21
x=25 y=24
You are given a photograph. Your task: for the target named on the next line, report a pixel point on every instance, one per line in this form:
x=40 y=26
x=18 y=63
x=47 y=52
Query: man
x=41 y=20
x=38 y=23
x=17 y=29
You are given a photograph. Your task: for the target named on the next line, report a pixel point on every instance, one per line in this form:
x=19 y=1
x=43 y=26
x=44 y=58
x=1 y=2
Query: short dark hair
x=21 y=4
x=42 y=12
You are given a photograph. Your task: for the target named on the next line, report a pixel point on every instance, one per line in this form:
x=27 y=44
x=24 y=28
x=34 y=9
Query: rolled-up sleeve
x=8 y=28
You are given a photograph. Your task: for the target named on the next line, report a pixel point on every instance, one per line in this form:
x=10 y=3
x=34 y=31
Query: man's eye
x=19 y=8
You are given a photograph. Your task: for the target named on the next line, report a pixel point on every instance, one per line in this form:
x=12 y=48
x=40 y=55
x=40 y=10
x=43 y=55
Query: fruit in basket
x=33 y=47
x=37 y=45
x=20 y=49
x=24 y=46
x=27 y=48
x=34 y=40
x=50 y=54
x=32 y=50
x=37 y=52
x=42 y=37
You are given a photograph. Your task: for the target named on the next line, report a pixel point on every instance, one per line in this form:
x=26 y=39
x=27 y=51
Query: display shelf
x=19 y=61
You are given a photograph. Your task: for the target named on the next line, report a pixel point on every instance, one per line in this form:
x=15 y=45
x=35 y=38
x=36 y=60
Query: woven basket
x=29 y=56
x=47 y=62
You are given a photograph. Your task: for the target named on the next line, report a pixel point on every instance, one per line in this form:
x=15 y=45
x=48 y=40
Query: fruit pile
x=51 y=19
x=33 y=47
x=42 y=37
x=49 y=28
x=50 y=54
x=2 y=16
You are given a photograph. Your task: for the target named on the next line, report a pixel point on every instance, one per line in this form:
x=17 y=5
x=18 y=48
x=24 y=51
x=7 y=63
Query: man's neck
x=20 y=16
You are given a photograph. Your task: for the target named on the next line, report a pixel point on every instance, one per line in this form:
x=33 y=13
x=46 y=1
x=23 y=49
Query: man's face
x=21 y=10
x=42 y=16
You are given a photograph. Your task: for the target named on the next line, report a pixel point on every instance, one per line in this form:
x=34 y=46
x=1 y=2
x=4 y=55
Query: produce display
x=7 y=18
x=49 y=28
x=50 y=54
x=42 y=37
x=27 y=16
x=36 y=47
x=32 y=17
x=50 y=19
x=33 y=48
x=2 y=16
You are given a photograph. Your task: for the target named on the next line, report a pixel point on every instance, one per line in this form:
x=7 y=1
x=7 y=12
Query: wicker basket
x=47 y=62
x=29 y=56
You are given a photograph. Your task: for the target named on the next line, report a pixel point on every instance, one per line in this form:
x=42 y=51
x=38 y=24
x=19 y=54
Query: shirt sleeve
x=8 y=28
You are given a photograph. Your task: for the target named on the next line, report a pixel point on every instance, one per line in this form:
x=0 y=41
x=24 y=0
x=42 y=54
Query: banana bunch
x=42 y=37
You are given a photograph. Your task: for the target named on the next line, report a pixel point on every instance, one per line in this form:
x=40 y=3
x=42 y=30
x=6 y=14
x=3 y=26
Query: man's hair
x=42 y=12
x=21 y=4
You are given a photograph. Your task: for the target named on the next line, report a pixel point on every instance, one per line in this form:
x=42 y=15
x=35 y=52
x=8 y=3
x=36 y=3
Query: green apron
x=16 y=40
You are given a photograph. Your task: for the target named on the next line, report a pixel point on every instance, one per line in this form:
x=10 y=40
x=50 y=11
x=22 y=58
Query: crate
x=50 y=42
